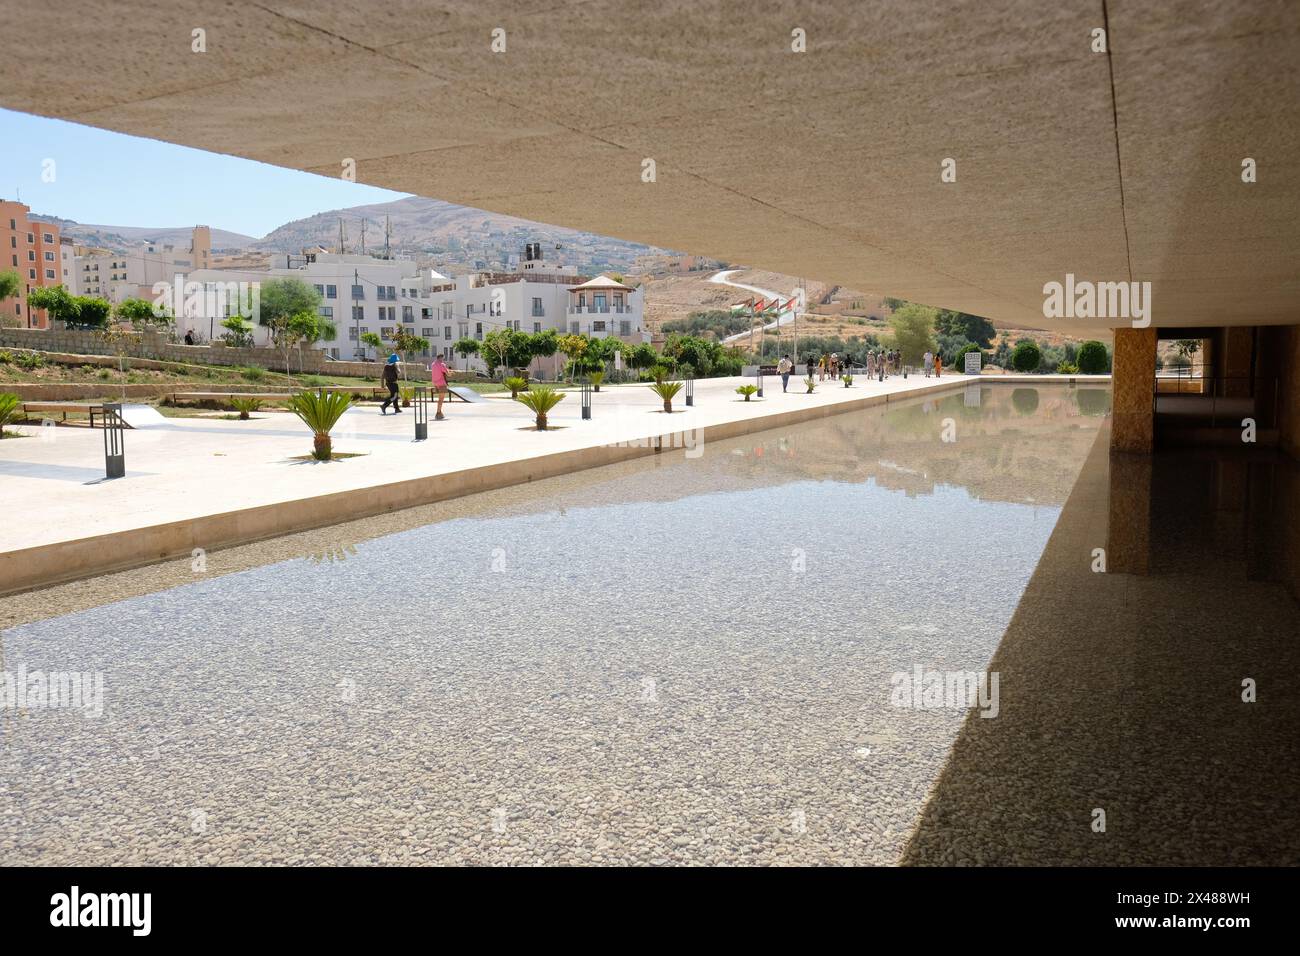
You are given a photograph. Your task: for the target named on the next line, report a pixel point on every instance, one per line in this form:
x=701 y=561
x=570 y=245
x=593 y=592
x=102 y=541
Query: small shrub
x=245 y=406
x=320 y=411
x=251 y=373
x=1026 y=357
x=1067 y=368
x=30 y=360
x=516 y=384
x=1093 y=358
x=666 y=391
x=104 y=374
x=6 y=357
x=746 y=390
x=596 y=378
x=314 y=381
x=811 y=383
x=540 y=401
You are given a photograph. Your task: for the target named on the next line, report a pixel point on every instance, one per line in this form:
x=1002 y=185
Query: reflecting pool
x=667 y=661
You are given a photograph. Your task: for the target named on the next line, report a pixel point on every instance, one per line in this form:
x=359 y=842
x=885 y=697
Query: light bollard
x=586 y=400
x=420 y=405
x=690 y=392
x=758 y=379
x=114 y=450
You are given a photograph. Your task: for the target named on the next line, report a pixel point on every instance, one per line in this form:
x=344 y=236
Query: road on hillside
x=783 y=318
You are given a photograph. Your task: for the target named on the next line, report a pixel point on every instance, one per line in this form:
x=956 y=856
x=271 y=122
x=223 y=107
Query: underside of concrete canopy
x=1119 y=166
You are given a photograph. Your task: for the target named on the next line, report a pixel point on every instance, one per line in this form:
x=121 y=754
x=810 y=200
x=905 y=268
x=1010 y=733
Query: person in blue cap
x=390 y=380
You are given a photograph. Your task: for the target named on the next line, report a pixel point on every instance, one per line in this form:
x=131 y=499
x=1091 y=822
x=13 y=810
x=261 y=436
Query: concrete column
x=1238 y=350
x=1133 y=382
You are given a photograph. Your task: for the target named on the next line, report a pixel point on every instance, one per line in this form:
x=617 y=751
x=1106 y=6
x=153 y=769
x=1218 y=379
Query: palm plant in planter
x=596 y=378
x=746 y=390
x=516 y=384
x=811 y=383
x=245 y=405
x=540 y=401
x=666 y=391
x=848 y=381
x=320 y=411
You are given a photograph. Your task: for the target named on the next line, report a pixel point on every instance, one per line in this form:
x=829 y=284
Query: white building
x=361 y=294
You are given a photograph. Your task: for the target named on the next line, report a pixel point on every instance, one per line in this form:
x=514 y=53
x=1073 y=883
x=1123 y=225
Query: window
x=537 y=306
x=428 y=333
x=469 y=309
x=332 y=292
x=464 y=329
x=30 y=238
x=326 y=312
x=446 y=331
x=358 y=313
x=353 y=333
x=478 y=330
x=48 y=237
x=624 y=327
x=573 y=328
x=31 y=255
x=598 y=302
x=388 y=312
x=49 y=273
x=31 y=273
x=408 y=313
x=49 y=257
x=598 y=326
x=320 y=289
x=537 y=327
x=358 y=292
x=13 y=242
x=386 y=333
x=618 y=301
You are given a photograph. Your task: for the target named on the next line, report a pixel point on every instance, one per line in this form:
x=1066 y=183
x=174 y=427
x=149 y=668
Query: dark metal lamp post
x=114 y=451
x=586 y=399
x=690 y=391
x=421 y=407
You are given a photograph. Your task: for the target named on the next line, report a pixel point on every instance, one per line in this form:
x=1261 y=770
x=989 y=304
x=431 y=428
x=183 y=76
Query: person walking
x=938 y=365
x=438 y=378
x=927 y=360
x=783 y=368
x=390 y=382
x=810 y=367
x=821 y=368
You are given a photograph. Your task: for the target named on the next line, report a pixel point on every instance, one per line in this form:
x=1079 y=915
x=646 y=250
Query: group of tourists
x=931 y=362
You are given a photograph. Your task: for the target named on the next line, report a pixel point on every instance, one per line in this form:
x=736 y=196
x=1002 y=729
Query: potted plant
x=746 y=390
x=666 y=391
x=540 y=401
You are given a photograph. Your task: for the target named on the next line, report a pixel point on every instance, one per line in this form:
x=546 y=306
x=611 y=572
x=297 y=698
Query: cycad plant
x=811 y=383
x=245 y=405
x=516 y=384
x=8 y=410
x=320 y=411
x=848 y=381
x=540 y=401
x=746 y=390
x=596 y=378
x=666 y=391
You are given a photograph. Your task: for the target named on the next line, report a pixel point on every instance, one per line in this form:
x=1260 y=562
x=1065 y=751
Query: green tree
x=239 y=332
x=373 y=341
x=465 y=347
x=280 y=299
x=74 y=311
x=972 y=328
x=913 y=327
x=10 y=285
x=92 y=312
x=406 y=342
x=142 y=314
x=291 y=331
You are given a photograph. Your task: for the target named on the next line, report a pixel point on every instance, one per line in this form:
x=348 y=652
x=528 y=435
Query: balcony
x=599 y=310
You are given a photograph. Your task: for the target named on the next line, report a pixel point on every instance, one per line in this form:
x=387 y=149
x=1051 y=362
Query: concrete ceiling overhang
x=1113 y=168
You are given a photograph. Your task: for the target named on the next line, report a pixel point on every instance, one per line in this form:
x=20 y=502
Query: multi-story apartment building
x=361 y=294
x=122 y=275
x=32 y=250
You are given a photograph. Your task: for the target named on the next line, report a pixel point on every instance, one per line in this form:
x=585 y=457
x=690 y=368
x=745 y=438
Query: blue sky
x=111 y=179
